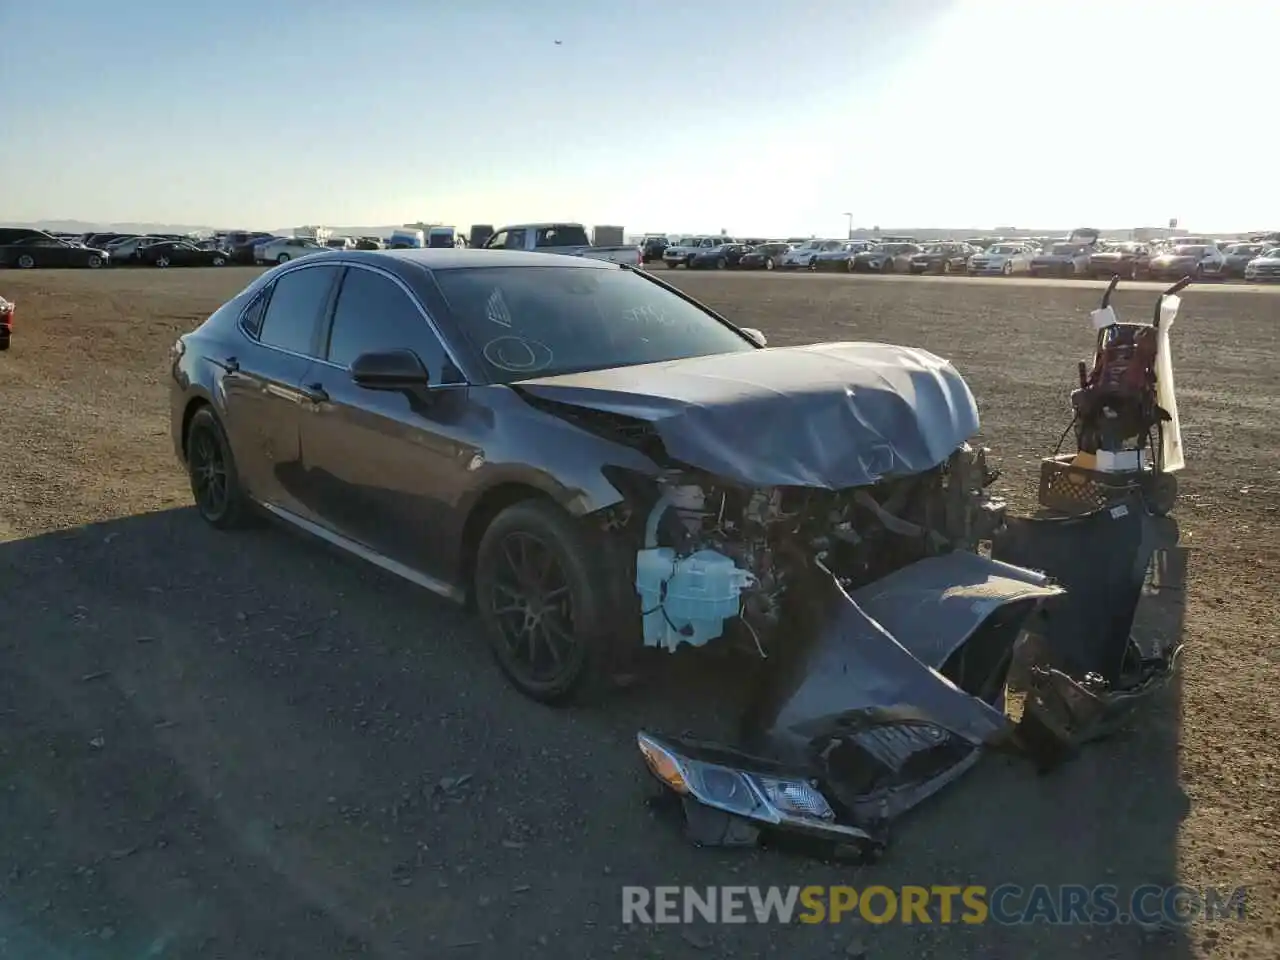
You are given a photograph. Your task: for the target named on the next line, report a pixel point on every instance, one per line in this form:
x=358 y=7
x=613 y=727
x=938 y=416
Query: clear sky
x=756 y=116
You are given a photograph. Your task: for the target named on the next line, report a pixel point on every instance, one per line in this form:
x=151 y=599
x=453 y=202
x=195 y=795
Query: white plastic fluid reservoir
x=1171 y=452
x=687 y=599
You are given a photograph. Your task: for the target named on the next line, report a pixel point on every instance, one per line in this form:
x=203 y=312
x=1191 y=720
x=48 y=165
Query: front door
x=384 y=468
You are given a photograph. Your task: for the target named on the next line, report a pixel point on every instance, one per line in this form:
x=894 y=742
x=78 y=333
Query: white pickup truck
x=567 y=239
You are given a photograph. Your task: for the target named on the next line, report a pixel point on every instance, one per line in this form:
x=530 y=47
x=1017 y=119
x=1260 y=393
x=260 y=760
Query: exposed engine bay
x=712 y=552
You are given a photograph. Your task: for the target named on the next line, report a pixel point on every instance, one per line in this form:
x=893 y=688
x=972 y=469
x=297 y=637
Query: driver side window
x=374 y=313
x=498 y=241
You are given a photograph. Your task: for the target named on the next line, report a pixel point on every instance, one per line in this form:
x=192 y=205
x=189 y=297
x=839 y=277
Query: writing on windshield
x=541 y=321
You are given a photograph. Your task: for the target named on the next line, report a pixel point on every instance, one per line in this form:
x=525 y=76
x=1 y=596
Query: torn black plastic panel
x=1088 y=672
x=828 y=416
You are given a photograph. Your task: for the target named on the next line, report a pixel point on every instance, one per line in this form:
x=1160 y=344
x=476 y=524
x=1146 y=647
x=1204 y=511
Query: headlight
x=762 y=797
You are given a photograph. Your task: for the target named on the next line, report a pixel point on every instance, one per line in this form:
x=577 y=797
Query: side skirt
x=438 y=587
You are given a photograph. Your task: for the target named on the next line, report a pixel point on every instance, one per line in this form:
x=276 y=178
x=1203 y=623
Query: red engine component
x=6 y=323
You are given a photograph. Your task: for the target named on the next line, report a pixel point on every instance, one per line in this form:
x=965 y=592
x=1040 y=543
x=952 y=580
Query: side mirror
x=755 y=336
x=389 y=370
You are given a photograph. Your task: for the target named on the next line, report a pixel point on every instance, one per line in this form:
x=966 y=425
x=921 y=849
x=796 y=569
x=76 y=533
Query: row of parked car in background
x=26 y=248
x=1083 y=253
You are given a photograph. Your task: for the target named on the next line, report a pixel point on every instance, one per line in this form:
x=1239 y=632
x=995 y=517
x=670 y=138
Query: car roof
x=454 y=258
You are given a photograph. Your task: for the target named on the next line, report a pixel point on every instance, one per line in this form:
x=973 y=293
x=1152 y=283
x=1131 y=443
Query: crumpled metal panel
x=830 y=415
x=933 y=606
x=856 y=662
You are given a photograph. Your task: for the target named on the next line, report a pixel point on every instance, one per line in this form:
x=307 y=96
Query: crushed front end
x=888 y=618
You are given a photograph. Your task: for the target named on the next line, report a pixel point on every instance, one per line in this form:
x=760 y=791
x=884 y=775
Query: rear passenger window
x=375 y=313
x=251 y=319
x=297 y=301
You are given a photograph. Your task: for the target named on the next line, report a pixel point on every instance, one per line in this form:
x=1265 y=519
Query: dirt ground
x=241 y=745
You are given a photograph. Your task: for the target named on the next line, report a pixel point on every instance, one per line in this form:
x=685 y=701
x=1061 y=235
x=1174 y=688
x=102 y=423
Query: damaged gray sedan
x=600 y=464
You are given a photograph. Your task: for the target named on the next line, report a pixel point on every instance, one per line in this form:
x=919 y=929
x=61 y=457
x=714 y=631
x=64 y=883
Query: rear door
x=386 y=469
x=262 y=382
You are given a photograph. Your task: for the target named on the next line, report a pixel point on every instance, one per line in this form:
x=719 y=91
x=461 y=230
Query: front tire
x=162 y=261
x=94 y=262
x=283 y=258
x=219 y=261
x=26 y=262
x=215 y=483
x=544 y=598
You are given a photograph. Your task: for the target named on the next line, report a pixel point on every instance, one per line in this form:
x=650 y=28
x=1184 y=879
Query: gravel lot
x=242 y=745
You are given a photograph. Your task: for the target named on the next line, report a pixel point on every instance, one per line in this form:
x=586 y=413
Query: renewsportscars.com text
x=1006 y=904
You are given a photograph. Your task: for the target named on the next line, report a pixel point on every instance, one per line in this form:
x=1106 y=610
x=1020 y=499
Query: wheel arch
x=194 y=405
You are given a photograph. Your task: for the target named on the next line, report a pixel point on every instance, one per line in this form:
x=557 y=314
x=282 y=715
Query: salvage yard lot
x=242 y=745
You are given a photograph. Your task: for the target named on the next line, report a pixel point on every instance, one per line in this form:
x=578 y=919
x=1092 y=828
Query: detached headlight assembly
x=768 y=799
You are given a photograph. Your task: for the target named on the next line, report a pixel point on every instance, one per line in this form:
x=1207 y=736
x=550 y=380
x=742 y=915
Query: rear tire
x=283 y=258
x=215 y=482
x=568 y=613
x=26 y=262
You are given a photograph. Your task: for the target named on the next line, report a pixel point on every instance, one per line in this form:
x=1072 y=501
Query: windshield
x=1245 y=249
x=1063 y=250
x=1005 y=249
x=810 y=245
x=937 y=248
x=542 y=321
x=1272 y=254
x=1190 y=251
x=773 y=248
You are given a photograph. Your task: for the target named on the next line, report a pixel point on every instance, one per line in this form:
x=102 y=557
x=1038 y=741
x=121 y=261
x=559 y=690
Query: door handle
x=315 y=392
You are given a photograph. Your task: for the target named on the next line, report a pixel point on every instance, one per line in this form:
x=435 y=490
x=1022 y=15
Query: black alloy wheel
x=215 y=483
x=532 y=602
x=544 y=589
